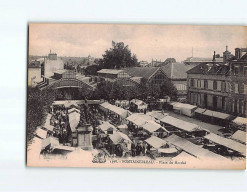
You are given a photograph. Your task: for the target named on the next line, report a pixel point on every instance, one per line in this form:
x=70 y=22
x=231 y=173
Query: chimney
x=214 y=57
x=238 y=53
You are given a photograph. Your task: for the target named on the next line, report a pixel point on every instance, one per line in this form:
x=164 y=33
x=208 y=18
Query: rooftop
x=110 y=71
x=144 y=72
x=176 y=70
x=210 y=68
x=199 y=59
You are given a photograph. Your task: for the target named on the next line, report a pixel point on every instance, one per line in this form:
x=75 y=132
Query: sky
x=146 y=41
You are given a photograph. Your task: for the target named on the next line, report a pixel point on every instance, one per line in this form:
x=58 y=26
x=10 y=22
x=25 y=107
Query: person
x=144 y=149
x=133 y=148
x=138 y=149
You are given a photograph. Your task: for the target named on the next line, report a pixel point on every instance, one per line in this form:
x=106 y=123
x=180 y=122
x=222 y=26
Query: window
x=219 y=88
x=205 y=84
x=214 y=85
x=236 y=70
x=241 y=88
x=192 y=82
x=223 y=86
x=245 y=88
x=158 y=79
x=202 y=83
x=245 y=71
x=236 y=88
x=199 y=84
x=210 y=85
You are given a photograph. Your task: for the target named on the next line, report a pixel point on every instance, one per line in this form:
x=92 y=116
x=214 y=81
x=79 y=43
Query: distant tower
x=52 y=56
x=226 y=55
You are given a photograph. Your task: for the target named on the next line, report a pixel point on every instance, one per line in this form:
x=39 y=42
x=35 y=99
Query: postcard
x=136 y=96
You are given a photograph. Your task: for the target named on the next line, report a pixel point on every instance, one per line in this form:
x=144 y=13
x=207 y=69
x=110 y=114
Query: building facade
x=176 y=72
x=220 y=86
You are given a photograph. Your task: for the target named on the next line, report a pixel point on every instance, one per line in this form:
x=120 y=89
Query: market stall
x=227 y=143
x=199 y=113
x=155 y=129
x=107 y=128
x=173 y=124
x=239 y=136
x=138 y=105
x=41 y=133
x=240 y=123
x=192 y=149
x=154 y=144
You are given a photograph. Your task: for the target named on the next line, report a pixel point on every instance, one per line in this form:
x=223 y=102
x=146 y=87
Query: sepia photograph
x=136 y=96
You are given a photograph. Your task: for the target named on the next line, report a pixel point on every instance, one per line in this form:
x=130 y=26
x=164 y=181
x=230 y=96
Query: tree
x=168 y=89
x=119 y=56
x=38 y=103
x=92 y=70
x=103 y=90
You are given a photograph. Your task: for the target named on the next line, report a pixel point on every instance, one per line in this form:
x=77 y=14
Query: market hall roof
x=176 y=70
x=144 y=72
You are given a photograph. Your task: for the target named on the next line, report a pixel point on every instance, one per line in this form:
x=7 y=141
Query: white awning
x=240 y=121
x=74 y=119
x=155 y=142
x=229 y=143
x=191 y=148
x=41 y=133
x=151 y=126
x=106 y=126
x=183 y=125
x=240 y=136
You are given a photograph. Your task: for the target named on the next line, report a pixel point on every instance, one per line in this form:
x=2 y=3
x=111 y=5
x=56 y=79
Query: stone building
x=220 y=86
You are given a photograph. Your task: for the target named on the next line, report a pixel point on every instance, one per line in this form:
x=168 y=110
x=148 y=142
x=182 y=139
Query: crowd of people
x=59 y=120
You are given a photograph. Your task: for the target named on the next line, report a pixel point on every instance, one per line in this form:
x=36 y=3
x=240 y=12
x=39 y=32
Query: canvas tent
x=118 y=137
x=155 y=142
x=240 y=136
x=240 y=121
x=139 y=104
x=186 y=109
x=180 y=124
x=157 y=115
x=73 y=110
x=74 y=119
x=217 y=117
x=106 y=126
x=191 y=148
x=50 y=141
x=137 y=120
x=228 y=143
x=152 y=126
x=184 y=156
x=114 y=109
x=199 y=112
x=47 y=124
x=41 y=133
